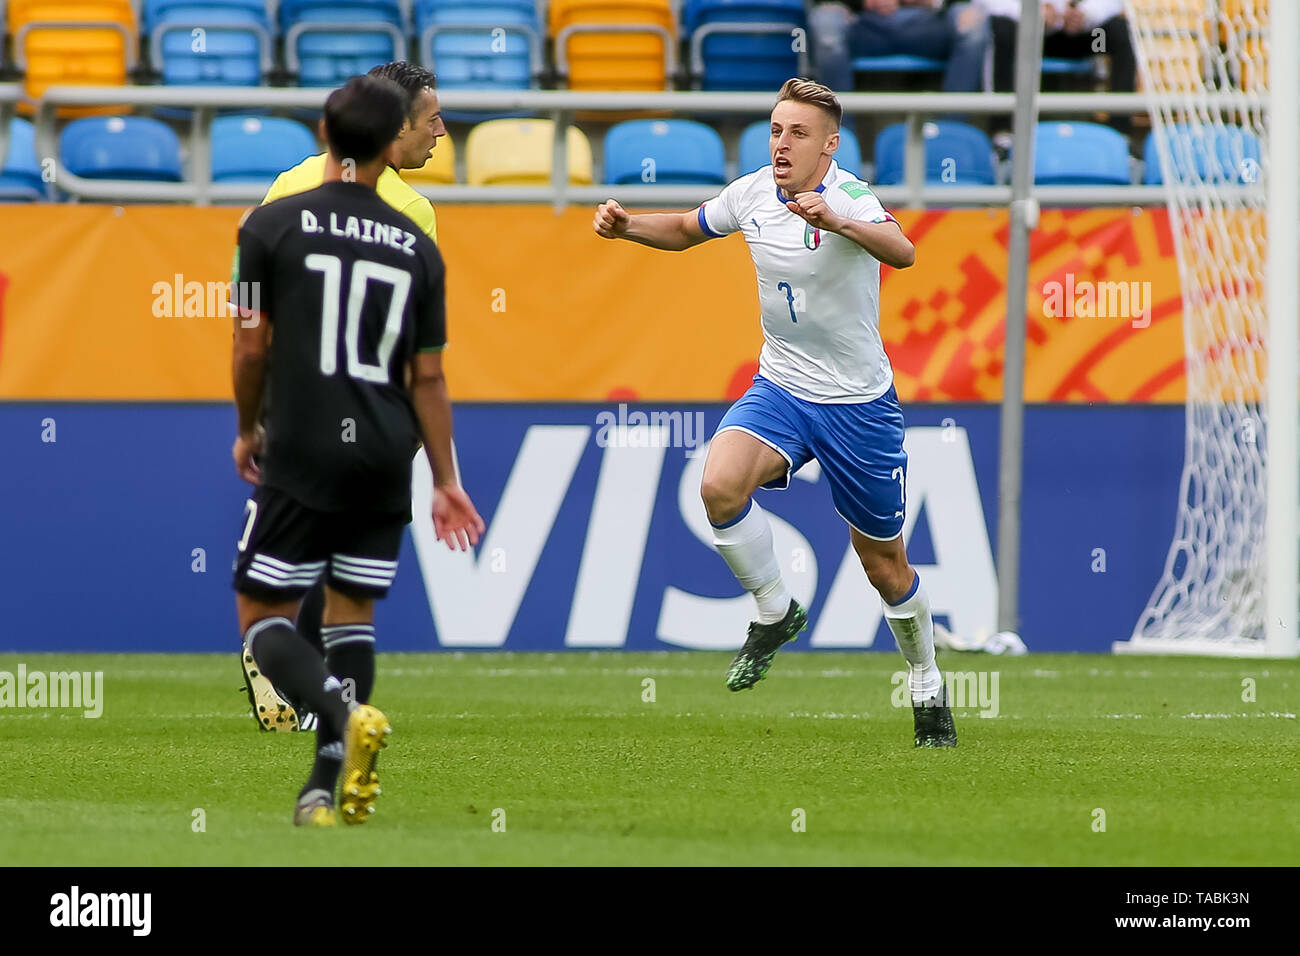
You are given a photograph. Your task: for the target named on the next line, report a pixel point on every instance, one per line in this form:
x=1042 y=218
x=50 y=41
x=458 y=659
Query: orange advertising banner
x=127 y=303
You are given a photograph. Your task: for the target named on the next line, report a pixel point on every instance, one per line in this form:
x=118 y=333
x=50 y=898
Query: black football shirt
x=352 y=289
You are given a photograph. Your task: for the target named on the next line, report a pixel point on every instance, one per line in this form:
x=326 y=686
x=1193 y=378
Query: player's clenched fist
x=611 y=220
x=812 y=207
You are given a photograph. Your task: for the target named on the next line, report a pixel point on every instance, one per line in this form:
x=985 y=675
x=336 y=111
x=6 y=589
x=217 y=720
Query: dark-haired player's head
x=423 y=124
x=362 y=117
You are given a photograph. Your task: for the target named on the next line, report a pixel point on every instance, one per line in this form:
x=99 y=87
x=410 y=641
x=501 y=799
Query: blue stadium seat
x=256 y=149
x=1081 y=154
x=898 y=63
x=744 y=44
x=955 y=155
x=1235 y=152
x=458 y=42
x=755 y=154
x=328 y=41
x=121 y=147
x=20 y=178
x=680 y=152
x=1061 y=66
x=236 y=45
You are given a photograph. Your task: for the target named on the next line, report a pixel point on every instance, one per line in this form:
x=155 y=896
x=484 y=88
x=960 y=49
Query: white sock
x=913 y=628
x=746 y=546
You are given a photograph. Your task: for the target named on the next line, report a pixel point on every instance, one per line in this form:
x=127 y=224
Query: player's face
x=803 y=138
x=417 y=139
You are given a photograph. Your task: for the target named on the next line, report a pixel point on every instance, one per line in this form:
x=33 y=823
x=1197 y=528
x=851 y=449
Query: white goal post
x=1226 y=119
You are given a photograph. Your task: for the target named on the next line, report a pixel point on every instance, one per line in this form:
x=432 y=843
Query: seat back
x=612 y=60
x=327 y=41
x=519 y=152
x=1080 y=154
x=121 y=147
x=744 y=44
x=256 y=149
x=20 y=176
x=1227 y=155
x=52 y=55
x=680 y=152
x=956 y=154
x=483 y=46
x=236 y=41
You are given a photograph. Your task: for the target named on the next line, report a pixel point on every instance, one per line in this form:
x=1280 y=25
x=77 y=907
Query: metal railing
x=561 y=105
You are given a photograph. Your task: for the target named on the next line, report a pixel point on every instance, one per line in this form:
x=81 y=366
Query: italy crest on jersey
x=812 y=237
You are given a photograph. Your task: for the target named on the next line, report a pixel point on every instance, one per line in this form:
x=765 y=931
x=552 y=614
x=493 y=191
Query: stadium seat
x=1061 y=66
x=328 y=41
x=256 y=149
x=72 y=42
x=744 y=44
x=121 y=147
x=955 y=154
x=20 y=177
x=677 y=152
x=438 y=170
x=614 y=44
x=755 y=152
x=518 y=152
x=236 y=42
x=460 y=42
x=898 y=63
x=1224 y=155
x=1081 y=154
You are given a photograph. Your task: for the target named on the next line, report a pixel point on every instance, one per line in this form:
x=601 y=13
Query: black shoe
x=754 y=659
x=933 y=721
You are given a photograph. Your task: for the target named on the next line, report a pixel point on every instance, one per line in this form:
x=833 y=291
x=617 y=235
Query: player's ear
x=320 y=130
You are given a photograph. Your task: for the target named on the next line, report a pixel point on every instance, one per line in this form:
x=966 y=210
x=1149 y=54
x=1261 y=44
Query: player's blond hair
x=802 y=90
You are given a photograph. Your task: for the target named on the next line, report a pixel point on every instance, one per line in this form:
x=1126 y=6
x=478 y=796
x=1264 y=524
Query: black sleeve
x=431 y=309
x=250 y=285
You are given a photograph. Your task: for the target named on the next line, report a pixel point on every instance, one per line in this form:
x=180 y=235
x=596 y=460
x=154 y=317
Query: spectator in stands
x=1072 y=29
x=939 y=29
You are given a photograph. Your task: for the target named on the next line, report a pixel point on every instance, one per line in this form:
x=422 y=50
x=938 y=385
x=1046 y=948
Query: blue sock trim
x=916 y=583
x=749 y=506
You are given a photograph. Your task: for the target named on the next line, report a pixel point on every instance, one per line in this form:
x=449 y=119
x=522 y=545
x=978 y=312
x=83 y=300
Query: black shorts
x=285 y=547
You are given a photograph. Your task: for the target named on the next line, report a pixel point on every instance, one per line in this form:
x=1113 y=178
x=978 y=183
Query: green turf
x=586 y=771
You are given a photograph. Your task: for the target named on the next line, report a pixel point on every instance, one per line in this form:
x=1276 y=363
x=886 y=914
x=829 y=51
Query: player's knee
x=891 y=578
x=723 y=499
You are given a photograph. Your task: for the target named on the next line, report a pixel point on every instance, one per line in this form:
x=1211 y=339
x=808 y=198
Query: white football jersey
x=819 y=293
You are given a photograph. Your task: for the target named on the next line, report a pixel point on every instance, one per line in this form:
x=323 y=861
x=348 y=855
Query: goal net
x=1204 y=66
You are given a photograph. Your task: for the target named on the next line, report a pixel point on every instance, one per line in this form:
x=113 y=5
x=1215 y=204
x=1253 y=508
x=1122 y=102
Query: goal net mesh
x=1204 y=68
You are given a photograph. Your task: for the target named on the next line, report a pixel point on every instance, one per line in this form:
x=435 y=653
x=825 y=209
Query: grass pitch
x=574 y=764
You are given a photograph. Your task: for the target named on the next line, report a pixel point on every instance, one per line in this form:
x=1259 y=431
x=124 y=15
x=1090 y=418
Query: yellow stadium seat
x=518 y=152
x=438 y=170
x=54 y=46
x=639 y=55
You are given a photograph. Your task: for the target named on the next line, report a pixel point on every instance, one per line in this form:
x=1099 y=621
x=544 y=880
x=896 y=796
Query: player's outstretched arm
x=673 y=231
x=455 y=520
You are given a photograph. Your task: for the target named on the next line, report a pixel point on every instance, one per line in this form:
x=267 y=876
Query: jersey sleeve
x=431 y=316
x=250 y=276
x=863 y=204
x=420 y=211
x=720 y=216
x=279 y=189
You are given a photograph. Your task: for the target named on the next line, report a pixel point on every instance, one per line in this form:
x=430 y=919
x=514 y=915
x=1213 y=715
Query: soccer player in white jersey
x=824 y=387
